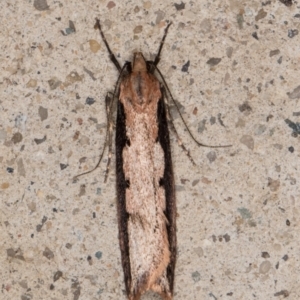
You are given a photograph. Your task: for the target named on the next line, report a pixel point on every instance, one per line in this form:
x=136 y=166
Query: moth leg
x=173 y=128
x=110 y=126
x=111 y=54
x=157 y=58
x=167 y=91
x=108 y=139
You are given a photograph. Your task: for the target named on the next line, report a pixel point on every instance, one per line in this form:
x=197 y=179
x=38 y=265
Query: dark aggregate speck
x=265 y=254
x=48 y=253
x=63 y=166
x=9 y=170
x=285 y=257
x=291 y=149
x=294 y=125
x=40 y=5
x=17 y=138
x=214 y=61
x=40 y=141
x=287 y=2
x=284 y=293
x=274 y=52
x=179 y=6
x=254 y=34
x=98 y=254
x=89 y=101
x=185 y=67
x=292 y=32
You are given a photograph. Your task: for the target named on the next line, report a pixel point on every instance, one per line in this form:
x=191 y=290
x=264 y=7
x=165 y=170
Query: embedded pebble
x=40 y=5
x=17 y=138
x=273 y=184
x=179 y=6
x=196 y=276
x=229 y=51
x=21 y=168
x=265 y=254
x=20 y=121
x=265 y=267
x=147 y=4
x=43 y=113
x=212 y=156
x=57 y=275
x=201 y=126
x=248 y=141
x=240 y=20
x=48 y=253
x=274 y=52
x=89 y=101
x=159 y=16
x=245 y=213
x=138 y=29
x=260 y=15
x=260 y=129
x=292 y=33
x=40 y=141
x=205 y=26
x=94 y=46
x=54 y=83
x=213 y=61
x=284 y=293
x=72 y=78
x=32 y=83
x=295 y=94
x=111 y=4
x=287 y=2
x=186 y=66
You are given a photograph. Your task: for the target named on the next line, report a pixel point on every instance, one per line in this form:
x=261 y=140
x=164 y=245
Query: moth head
x=139 y=63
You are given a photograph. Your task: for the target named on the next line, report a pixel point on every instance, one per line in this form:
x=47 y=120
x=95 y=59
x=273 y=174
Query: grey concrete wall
x=238 y=209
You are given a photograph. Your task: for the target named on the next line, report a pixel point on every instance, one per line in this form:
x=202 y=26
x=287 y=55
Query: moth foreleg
x=173 y=128
x=110 y=126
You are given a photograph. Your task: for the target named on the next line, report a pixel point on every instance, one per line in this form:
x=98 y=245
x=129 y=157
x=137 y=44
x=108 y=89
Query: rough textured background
x=234 y=68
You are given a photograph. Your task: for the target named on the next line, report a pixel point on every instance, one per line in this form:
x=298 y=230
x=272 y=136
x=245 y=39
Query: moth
x=145 y=181
x=146 y=203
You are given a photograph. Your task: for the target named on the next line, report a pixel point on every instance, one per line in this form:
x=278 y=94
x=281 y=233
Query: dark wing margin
x=121 y=193
x=169 y=184
x=167 y=180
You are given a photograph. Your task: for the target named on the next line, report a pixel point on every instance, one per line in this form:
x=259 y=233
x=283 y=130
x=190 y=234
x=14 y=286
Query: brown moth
x=145 y=185
x=145 y=182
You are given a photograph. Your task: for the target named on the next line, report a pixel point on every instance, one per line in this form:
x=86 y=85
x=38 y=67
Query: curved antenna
x=109 y=116
x=182 y=119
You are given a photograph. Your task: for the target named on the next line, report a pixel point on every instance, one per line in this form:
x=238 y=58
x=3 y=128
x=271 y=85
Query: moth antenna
x=99 y=161
x=181 y=117
x=154 y=64
x=111 y=54
x=107 y=137
x=157 y=58
x=108 y=129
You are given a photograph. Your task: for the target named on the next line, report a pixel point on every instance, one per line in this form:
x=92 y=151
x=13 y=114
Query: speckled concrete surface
x=234 y=68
